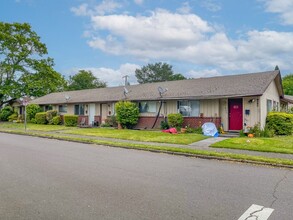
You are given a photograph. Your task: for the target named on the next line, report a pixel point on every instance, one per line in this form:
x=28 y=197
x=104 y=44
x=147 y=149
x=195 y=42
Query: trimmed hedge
x=40 y=118
x=56 y=120
x=280 y=122
x=70 y=120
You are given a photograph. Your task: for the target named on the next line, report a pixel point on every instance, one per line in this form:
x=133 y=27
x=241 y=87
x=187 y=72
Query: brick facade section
x=98 y=119
x=80 y=117
x=195 y=122
x=147 y=122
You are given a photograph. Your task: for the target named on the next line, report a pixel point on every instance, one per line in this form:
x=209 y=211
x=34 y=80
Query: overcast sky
x=199 y=38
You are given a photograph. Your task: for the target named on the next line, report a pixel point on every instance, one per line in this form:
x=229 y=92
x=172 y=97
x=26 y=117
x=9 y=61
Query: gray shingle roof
x=201 y=88
x=289 y=98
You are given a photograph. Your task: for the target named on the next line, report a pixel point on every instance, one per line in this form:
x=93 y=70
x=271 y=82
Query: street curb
x=161 y=151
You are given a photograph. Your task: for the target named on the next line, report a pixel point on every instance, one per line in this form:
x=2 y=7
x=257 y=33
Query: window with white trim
x=269 y=105
x=147 y=107
x=189 y=108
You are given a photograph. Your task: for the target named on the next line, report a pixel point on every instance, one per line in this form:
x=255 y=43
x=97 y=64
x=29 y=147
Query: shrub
x=127 y=113
x=164 y=125
x=255 y=130
x=13 y=117
x=280 y=122
x=56 y=120
x=32 y=110
x=111 y=121
x=5 y=113
x=40 y=118
x=50 y=115
x=175 y=120
x=19 y=119
x=194 y=130
x=70 y=120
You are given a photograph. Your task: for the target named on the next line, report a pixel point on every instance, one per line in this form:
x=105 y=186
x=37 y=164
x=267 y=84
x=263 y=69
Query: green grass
x=32 y=127
x=124 y=134
x=139 y=135
x=175 y=150
x=279 y=144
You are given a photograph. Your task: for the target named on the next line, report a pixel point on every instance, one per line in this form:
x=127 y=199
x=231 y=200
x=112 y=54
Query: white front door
x=92 y=111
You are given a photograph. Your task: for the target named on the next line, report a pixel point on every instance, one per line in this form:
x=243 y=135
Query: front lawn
x=139 y=135
x=9 y=126
x=279 y=144
x=136 y=135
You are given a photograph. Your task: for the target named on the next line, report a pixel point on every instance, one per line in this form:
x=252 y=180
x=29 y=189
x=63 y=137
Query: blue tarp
x=210 y=129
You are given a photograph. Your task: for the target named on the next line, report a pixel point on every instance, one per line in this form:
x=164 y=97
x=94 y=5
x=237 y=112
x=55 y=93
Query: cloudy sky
x=199 y=38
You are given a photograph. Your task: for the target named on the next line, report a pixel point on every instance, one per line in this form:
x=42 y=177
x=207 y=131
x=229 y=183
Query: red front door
x=235 y=114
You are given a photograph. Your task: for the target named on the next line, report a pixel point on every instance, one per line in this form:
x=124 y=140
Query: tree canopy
x=84 y=80
x=288 y=84
x=157 y=72
x=24 y=69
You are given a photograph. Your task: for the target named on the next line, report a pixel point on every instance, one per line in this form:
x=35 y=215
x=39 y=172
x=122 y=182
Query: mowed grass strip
x=279 y=144
x=33 y=127
x=124 y=134
x=139 y=135
x=186 y=151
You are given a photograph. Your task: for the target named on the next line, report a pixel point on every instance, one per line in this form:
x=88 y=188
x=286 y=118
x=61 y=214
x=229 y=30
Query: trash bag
x=170 y=130
x=210 y=129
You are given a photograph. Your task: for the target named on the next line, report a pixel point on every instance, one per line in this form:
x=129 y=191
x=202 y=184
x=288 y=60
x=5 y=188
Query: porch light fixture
x=251 y=101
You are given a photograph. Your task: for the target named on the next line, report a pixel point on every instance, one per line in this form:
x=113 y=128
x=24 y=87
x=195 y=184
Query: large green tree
x=288 y=84
x=84 y=80
x=24 y=67
x=157 y=72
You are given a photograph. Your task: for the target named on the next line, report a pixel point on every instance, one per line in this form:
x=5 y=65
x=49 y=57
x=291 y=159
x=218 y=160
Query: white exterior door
x=92 y=111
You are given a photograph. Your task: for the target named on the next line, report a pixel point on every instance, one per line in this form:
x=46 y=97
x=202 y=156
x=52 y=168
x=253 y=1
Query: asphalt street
x=50 y=179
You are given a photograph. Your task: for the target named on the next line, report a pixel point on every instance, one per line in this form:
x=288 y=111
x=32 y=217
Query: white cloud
x=138 y=2
x=111 y=76
x=211 y=5
x=105 y=7
x=145 y=36
x=185 y=8
x=173 y=36
x=282 y=7
x=203 y=73
x=81 y=10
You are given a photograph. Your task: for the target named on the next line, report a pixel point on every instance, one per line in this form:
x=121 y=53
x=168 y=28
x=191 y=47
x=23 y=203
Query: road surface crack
x=276 y=188
x=251 y=215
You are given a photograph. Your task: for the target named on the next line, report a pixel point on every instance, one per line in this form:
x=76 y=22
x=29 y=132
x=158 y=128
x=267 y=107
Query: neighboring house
x=289 y=100
x=18 y=104
x=235 y=101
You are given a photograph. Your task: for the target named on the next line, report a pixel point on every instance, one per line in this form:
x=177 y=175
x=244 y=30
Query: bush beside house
x=5 y=113
x=31 y=111
x=280 y=122
x=127 y=114
x=175 y=120
x=40 y=118
x=70 y=120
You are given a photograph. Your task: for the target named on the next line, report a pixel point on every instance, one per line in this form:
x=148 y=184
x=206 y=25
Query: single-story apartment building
x=234 y=102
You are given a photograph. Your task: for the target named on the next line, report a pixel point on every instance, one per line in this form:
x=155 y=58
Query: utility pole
x=125 y=81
